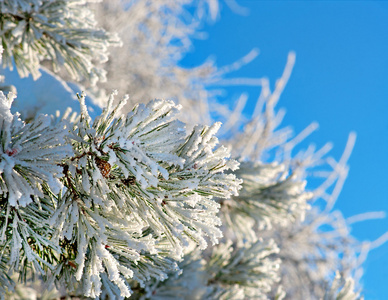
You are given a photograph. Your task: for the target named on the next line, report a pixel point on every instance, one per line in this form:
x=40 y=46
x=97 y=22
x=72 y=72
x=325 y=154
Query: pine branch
x=342 y=289
x=63 y=32
x=269 y=196
x=137 y=193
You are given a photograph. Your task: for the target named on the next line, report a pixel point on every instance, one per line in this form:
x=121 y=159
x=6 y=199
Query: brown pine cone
x=104 y=167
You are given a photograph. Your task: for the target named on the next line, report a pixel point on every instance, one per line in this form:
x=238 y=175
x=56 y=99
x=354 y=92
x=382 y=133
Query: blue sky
x=340 y=80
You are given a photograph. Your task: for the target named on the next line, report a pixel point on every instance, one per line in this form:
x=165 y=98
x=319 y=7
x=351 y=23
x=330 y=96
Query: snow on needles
x=30 y=154
x=141 y=188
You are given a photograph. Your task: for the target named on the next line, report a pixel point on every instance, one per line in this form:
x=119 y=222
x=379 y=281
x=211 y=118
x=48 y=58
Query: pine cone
x=104 y=167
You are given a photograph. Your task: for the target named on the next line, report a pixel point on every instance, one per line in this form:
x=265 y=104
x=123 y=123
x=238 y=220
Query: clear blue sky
x=340 y=80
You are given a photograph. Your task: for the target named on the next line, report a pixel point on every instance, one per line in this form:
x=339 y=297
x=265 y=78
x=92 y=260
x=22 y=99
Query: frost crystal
x=138 y=192
x=30 y=154
x=62 y=31
x=269 y=196
x=342 y=289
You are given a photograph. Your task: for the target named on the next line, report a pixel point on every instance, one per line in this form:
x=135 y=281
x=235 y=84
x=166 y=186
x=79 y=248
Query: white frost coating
x=84 y=108
x=342 y=289
x=55 y=30
x=140 y=172
x=34 y=149
x=82 y=245
x=165 y=29
x=112 y=267
x=269 y=196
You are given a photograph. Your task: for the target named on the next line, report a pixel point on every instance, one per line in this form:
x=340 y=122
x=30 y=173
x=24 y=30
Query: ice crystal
x=30 y=155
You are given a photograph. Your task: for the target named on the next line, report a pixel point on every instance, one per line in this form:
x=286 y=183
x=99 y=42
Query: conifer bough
x=61 y=31
x=125 y=199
